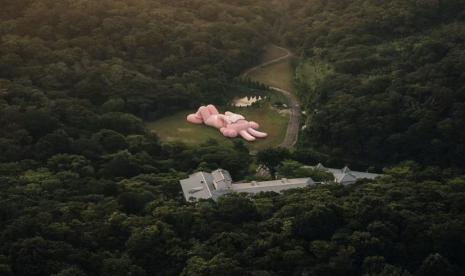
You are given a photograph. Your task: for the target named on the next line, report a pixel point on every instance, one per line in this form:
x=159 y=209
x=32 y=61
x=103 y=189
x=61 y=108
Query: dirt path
x=273 y=61
x=293 y=126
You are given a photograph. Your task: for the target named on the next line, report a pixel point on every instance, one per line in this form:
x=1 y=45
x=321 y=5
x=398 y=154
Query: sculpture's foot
x=193 y=118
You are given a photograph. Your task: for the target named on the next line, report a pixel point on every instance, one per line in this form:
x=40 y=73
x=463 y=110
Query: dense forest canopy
x=86 y=189
x=384 y=80
x=155 y=56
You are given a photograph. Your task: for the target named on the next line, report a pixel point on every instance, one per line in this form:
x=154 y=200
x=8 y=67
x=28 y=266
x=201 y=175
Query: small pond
x=246 y=101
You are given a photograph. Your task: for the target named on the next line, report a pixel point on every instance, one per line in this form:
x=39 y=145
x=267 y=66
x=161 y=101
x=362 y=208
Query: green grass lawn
x=278 y=75
x=272 y=52
x=176 y=128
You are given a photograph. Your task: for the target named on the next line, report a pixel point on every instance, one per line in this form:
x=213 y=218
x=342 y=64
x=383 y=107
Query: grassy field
x=272 y=52
x=175 y=128
x=277 y=75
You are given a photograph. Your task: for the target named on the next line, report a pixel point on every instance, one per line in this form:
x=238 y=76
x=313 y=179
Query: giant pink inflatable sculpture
x=229 y=124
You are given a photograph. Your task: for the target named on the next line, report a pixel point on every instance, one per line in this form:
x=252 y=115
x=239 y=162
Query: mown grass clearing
x=176 y=128
x=277 y=75
x=273 y=52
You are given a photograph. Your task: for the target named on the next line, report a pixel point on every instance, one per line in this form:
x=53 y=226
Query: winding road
x=293 y=126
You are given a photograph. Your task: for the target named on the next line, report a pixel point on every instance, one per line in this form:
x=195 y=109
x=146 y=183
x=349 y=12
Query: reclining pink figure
x=229 y=124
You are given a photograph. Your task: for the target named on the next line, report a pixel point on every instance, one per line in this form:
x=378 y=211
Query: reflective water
x=246 y=101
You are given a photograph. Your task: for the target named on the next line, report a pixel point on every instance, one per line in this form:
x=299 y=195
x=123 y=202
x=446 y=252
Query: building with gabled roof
x=204 y=185
x=345 y=175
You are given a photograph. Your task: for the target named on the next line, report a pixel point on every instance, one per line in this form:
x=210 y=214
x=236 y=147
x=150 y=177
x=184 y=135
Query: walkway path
x=293 y=126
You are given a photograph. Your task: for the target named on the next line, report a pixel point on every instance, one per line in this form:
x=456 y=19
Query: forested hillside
x=71 y=68
x=86 y=189
x=383 y=81
x=62 y=219
x=143 y=57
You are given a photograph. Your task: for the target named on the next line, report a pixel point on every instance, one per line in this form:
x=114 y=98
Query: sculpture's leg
x=204 y=112
x=195 y=118
x=257 y=133
x=210 y=119
x=212 y=109
x=246 y=135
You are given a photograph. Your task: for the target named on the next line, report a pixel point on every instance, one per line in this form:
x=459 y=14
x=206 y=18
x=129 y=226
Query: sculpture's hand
x=228 y=132
x=245 y=129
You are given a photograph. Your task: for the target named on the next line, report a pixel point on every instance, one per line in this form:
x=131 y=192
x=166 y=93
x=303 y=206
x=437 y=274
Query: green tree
x=272 y=157
x=219 y=264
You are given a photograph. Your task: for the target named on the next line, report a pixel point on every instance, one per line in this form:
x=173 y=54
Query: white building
x=203 y=185
x=345 y=176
